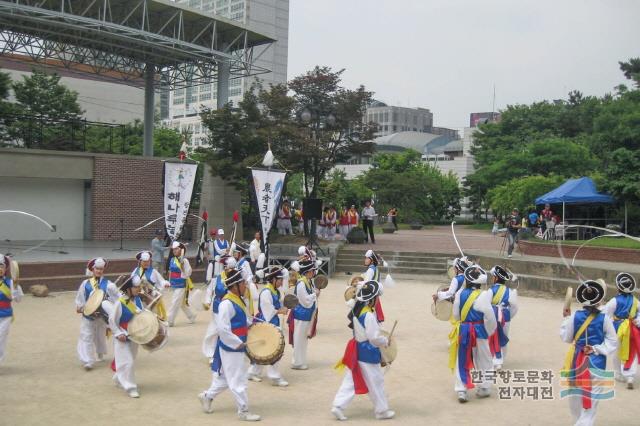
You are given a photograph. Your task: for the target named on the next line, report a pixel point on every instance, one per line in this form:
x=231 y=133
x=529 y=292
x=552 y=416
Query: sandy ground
x=43 y=383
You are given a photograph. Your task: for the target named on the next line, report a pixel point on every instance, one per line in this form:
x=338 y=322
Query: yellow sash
x=5 y=289
x=497 y=298
x=235 y=299
x=572 y=349
x=624 y=332
x=455 y=331
x=130 y=304
x=189 y=283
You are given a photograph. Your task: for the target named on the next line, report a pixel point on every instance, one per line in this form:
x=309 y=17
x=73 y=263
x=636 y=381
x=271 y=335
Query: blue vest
x=88 y=289
x=595 y=333
x=367 y=352
x=126 y=314
x=175 y=274
x=238 y=327
x=224 y=246
x=5 y=303
x=506 y=311
x=300 y=312
x=376 y=273
x=148 y=273
x=276 y=304
x=219 y=291
x=472 y=316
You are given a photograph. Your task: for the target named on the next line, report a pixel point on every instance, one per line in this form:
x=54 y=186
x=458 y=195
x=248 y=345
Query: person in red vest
x=344 y=222
x=354 y=217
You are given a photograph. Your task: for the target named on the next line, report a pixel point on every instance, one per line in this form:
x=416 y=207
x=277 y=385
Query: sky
x=447 y=55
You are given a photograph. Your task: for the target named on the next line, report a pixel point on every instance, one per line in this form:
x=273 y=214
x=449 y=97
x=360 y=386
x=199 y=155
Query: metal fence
x=68 y=134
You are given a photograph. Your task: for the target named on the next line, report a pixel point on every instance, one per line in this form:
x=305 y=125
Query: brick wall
x=586 y=253
x=127 y=189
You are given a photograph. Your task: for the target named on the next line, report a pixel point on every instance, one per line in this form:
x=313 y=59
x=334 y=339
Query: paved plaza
x=43 y=383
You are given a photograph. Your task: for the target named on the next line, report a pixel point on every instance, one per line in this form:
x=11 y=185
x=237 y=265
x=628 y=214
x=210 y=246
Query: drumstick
x=256 y=341
x=393 y=328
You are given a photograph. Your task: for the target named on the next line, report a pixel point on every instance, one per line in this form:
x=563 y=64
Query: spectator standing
x=547 y=216
x=533 y=219
x=393 y=215
x=368 y=216
x=513 y=226
x=344 y=222
x=255 y=250
x=157 y=250
x=354 y=218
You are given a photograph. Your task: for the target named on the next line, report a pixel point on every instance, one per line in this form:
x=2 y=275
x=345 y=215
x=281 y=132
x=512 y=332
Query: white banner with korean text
x=269 y=185
x=179 y=179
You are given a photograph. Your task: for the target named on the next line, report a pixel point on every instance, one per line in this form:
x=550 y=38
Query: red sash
x=350 y=359
x=634 y=346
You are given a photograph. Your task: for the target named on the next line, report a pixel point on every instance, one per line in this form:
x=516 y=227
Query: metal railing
x=68 y=134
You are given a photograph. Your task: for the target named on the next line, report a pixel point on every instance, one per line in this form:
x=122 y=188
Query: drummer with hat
x=93 y=331
x=9 y=293
x=180 y=280
x=469 y=340
x=505 y=306
x=592 y=337
x=216 y=290
x=269 y=307
x=362 y=356
x=457 y=282
x=623 y=309
x=240 y=252
x=229 y=361
x=146 y=272
x=302 y=319
x=371 y=261
x=125 y=350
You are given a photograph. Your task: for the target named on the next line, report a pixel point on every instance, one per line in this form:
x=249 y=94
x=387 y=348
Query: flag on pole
x=202 y=243
x=268 y=185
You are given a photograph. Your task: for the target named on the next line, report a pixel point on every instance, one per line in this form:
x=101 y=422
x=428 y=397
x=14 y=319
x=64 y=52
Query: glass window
x=178 y=101
x=386 y=116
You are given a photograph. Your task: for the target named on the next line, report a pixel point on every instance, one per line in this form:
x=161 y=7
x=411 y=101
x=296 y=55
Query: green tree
x=42 y=94
x=631 y=70
x=521 y=193
x=421 y=191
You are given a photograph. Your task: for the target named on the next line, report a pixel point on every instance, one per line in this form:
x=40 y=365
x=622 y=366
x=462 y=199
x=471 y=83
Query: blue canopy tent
x=577 y=191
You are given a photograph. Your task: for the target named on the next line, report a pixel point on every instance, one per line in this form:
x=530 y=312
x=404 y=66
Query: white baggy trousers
x=233 y=376
x=92 y=340
x=125 y=354
x=374 y=379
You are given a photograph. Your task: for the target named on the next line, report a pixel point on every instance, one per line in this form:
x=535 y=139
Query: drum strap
x=235 y=299
x=454 y=336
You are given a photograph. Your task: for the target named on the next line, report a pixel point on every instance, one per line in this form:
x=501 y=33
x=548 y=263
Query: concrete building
x=394 y=119
x=270 y=17
x=102 y=100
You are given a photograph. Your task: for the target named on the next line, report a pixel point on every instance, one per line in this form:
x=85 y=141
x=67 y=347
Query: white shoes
x=509 y=256
x=483 y=393
x=254 y=378
x=248 y=417
x=300 y=367
x=171 y=324
x=630 y=383
x=88 y=367
x=205 y=402
x=386 y=415
x=337 y=412
x=462 y=397
x=100 y=357
x=133 y=393
x=280 y=383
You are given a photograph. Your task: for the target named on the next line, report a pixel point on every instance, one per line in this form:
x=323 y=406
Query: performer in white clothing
x=505 y=306
x=124 y=350
x=93 y=331
x=152 y=282
x=284 y=219
x=239 y=252
x=9 y=293
x=592 y=338
x=623 y=310
x=216 y=290
x=229 y=362
x=220 y=247
x=457 y=282
x=362 y=356
x=180 y=280
x=303 y=318
x=475 y=323
x=269 y=307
